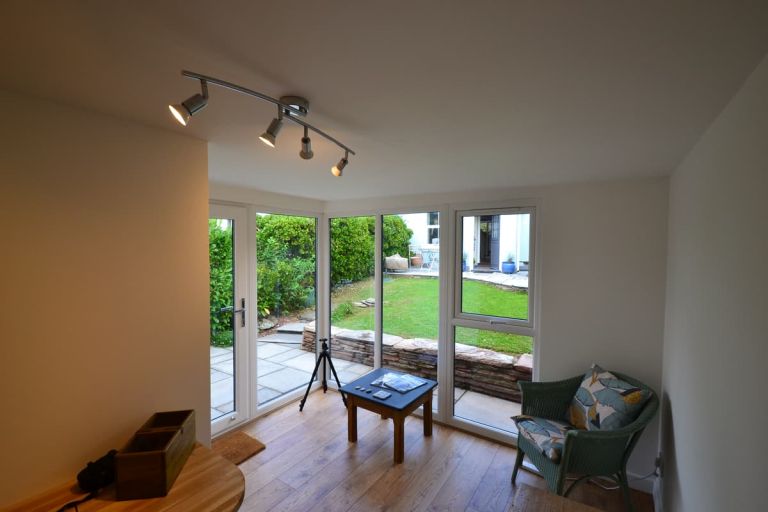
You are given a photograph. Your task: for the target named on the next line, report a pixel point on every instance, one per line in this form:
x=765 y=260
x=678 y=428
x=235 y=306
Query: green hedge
x=285 y=251
x=220 y=254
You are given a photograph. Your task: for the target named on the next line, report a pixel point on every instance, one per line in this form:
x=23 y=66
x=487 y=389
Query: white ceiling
x=435 y=96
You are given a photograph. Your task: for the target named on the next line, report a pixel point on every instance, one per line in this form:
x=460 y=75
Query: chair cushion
x=605 y=402
x=547 y=435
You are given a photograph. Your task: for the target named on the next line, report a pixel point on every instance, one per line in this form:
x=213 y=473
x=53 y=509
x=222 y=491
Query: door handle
x=242 y=311
x=235 y=311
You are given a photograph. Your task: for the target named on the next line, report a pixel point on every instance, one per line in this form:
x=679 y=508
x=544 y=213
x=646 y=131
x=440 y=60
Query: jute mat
x=237 y=446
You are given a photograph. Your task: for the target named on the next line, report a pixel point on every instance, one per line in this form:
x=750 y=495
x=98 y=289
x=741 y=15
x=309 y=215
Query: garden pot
x=417 y=261
x=508 y=267
x=464 y=266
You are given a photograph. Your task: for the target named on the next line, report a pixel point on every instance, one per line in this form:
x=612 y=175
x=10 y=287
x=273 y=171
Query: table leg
x=351 y=420
x=399 y=438
x=428 y=416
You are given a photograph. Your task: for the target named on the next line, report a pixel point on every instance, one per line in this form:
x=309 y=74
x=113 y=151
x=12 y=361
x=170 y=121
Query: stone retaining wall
x=476 y=369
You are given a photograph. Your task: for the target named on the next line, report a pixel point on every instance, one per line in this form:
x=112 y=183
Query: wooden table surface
x=531 y=499
x=208 y=483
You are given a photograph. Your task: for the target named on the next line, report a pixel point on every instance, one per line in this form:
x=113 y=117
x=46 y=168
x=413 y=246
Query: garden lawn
x=411 y=310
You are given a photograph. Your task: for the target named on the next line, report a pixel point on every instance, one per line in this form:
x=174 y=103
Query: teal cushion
x=547 y=435
x=605 y=402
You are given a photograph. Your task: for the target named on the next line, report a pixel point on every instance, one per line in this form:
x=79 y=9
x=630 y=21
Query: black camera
x=98 y=474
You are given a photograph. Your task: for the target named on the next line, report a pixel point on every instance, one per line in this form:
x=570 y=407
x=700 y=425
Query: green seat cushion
x=605 y=402
x=547 y=435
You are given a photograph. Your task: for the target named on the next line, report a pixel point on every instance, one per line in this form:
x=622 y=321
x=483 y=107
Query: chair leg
x=518 y=463
x=624 y=483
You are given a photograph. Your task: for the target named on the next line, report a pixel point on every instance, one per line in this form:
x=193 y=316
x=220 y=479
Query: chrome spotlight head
x=306 y=148
x=338 y=169
x=269 y=136
x=187 y=108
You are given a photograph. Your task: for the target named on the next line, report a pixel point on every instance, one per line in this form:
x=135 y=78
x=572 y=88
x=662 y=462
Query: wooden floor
x=310 y=466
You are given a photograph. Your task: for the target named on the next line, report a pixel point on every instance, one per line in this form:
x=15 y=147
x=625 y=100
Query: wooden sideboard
x=207 y=483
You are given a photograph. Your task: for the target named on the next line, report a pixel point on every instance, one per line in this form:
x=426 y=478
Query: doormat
x=237 y=447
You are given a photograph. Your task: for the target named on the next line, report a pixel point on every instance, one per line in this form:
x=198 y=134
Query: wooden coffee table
x=397 y=406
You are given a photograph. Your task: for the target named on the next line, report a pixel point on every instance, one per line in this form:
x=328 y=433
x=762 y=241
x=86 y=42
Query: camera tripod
x=324 y=356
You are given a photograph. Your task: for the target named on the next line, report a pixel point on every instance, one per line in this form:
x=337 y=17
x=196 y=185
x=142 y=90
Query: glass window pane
x=487 y=367
x=222 y=304
x=495 y=258
x=285 y=276
x=352 y=295
x=411 y=293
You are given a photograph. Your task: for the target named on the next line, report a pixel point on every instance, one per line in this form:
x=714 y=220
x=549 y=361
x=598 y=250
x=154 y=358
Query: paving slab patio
x=285 y=367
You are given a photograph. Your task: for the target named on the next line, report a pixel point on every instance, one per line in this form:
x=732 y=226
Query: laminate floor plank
x=343 y=497
x=310 y=466
x=460 y=486
x=495 y=492
x=380 y=496
x=337 y=471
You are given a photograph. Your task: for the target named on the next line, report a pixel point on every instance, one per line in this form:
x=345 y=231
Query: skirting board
x=647 y=485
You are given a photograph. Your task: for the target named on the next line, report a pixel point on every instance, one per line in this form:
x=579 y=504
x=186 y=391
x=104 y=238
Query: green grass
x=411 y=310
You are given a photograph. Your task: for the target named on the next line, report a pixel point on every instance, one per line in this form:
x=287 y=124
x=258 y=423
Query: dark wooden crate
x=184 y=421
x=148 y=465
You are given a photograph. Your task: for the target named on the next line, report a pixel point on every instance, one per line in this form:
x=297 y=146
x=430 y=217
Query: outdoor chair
x=562 y=432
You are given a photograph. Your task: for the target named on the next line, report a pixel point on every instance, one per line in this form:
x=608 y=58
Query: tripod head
x=324 y=341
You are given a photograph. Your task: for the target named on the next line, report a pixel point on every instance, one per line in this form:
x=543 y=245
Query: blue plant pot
x=464 y=266
x=508 y=267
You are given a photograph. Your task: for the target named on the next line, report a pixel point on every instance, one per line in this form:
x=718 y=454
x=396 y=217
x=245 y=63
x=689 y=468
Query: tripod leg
x=330 y=363
x=311 y=380
x=324 y=356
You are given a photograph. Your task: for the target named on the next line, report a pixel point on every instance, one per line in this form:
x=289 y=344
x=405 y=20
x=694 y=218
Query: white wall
x=602 y=262
x=716 y=341
x=104 y=295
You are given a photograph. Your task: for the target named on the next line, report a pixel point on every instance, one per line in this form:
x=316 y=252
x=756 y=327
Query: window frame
x=490 y=322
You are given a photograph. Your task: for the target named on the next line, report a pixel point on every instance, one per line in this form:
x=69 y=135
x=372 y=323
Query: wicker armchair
x=585 y=453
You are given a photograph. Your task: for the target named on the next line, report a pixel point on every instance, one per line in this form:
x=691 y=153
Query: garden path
x=516 y=280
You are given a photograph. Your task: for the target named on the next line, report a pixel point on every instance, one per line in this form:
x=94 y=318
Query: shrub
x=342 y=311
x=286 y=263
x=351 y=249
x=220 y=251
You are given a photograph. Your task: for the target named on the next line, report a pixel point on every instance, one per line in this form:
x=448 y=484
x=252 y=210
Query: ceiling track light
x=288 y=107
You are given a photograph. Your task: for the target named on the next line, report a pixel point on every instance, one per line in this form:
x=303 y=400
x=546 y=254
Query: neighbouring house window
x=433 y=227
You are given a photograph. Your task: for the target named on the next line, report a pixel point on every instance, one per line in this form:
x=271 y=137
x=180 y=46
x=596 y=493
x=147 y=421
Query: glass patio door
x=228 y=315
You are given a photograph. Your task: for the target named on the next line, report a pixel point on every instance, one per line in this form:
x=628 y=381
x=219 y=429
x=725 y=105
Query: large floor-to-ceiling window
x=353 y=296
x=492 y=321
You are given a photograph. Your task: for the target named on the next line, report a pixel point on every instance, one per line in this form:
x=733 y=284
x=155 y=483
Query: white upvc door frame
x=241 y=229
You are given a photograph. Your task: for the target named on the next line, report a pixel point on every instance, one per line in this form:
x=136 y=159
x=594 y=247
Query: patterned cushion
x=547 y=435
x=605 y=402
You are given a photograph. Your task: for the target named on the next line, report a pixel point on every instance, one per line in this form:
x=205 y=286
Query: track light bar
x=288 y=107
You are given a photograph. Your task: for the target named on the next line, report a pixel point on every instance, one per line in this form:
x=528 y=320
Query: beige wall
x=603 y=262
x=104 y=290
x=716 y=339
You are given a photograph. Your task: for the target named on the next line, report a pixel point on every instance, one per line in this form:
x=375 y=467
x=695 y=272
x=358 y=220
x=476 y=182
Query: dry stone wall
x=476 y=369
